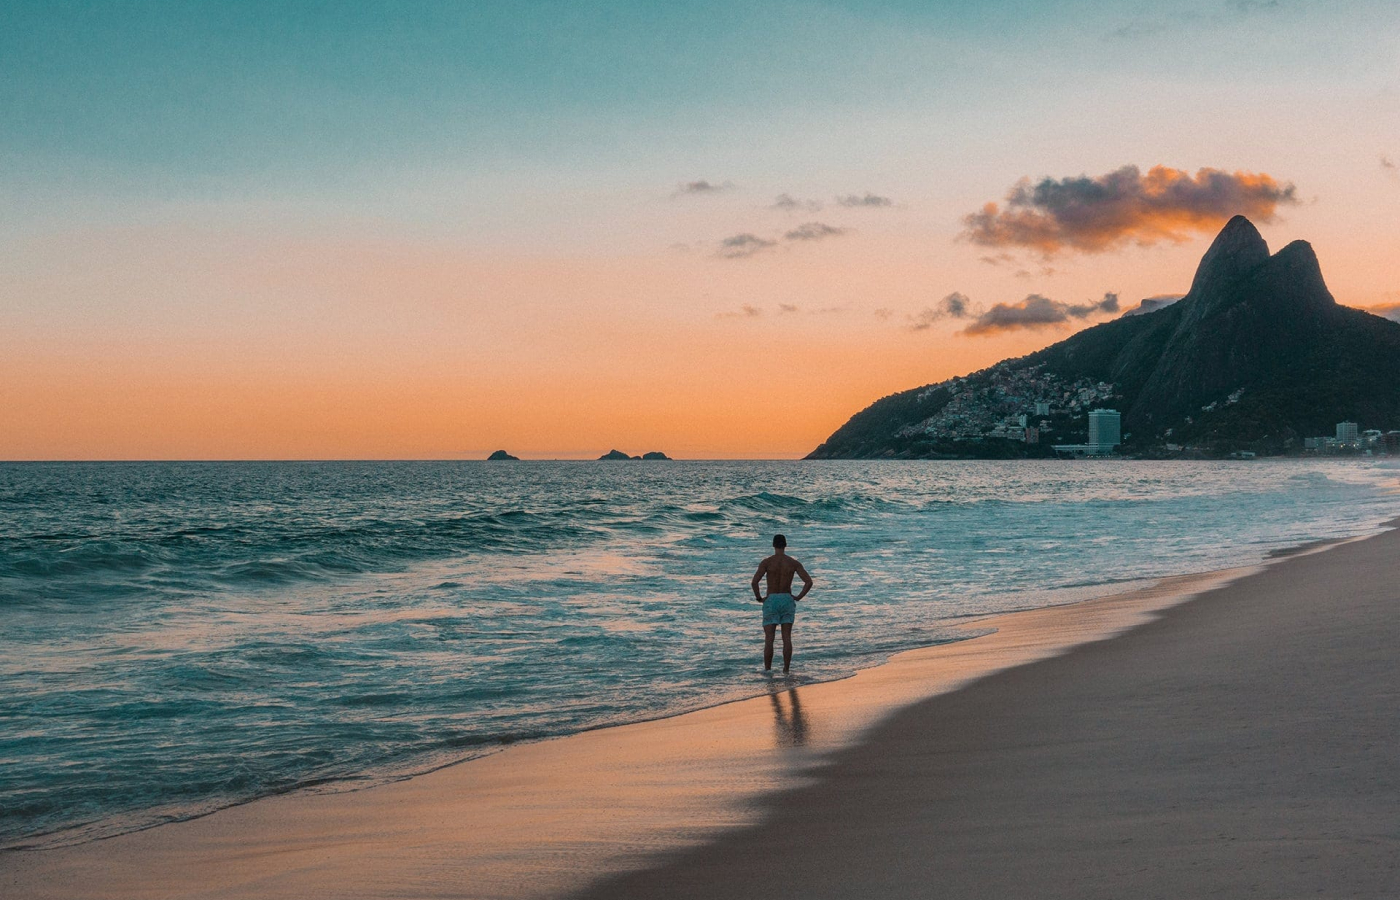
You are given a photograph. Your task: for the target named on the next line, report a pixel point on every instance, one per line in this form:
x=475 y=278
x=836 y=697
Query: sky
x=308 y=230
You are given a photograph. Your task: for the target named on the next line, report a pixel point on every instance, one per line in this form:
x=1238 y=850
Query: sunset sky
x=433 y=230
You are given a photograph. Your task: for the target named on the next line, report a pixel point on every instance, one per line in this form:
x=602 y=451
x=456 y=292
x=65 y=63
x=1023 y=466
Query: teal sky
x=183 y=94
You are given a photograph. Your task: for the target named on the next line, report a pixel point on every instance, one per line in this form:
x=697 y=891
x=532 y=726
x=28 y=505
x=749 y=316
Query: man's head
x=779 y=542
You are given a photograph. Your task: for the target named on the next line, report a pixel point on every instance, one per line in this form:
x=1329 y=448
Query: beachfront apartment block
x=1105 y=429
x=1105 y=434
x=1346 y=432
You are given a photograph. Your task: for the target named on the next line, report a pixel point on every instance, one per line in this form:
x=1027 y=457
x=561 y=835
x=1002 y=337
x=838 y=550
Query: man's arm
x=757 y=577
x=806 y=580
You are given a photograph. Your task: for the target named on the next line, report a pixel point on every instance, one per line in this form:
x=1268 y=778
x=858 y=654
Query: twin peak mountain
x=1258 y=355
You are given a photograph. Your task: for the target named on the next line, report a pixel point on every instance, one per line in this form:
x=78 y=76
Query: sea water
x=177 y=637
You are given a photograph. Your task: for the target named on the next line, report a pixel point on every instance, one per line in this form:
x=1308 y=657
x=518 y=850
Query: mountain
x=501 y=455
x=1257 y=355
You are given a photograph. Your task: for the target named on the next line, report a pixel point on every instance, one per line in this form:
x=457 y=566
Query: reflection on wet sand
x=789 y=723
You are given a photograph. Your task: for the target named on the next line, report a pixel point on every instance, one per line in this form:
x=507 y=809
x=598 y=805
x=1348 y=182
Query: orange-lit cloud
x=1095 y=214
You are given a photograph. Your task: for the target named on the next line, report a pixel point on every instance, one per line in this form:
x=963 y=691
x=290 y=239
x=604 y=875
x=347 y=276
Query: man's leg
x=787 y=645
x=768 y=632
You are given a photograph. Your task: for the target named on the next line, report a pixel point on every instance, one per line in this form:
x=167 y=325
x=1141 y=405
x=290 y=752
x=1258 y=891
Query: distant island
x=618 y=454
x=501 y=454
x=1257 y=359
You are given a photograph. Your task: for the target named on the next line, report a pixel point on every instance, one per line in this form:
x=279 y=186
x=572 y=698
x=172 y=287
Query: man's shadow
x=789 y=724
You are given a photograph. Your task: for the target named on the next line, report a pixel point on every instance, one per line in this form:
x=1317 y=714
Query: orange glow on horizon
x=188 y=344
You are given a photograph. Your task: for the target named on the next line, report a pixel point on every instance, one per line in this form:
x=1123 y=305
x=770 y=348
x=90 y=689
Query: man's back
x=780 y=570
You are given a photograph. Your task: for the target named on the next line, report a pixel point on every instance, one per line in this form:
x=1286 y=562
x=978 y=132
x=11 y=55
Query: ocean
x=179 y=637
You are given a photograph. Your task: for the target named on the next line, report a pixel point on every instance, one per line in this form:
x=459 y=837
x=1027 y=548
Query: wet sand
x=1245 y=745
x=1068 y=772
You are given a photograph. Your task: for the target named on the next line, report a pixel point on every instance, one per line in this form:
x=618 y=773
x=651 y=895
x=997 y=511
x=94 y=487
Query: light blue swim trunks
x=779 y=609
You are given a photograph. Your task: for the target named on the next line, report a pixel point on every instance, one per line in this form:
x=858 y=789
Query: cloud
x=1389 y=311
x=814 y=231
x=703 y=187
x=883 y=313
x=1386 y=163
x=788 y=308
x=1152 y=304
x=742 y=246
x=1092 y=215
x=1138 y=28
x=1229 y=14
x=746 y=311
x=956 y=305
x=864 y=200
x=789 y=203
x=1037 y=311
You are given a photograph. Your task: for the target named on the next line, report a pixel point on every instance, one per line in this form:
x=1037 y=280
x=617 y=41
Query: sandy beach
x=1241 y=744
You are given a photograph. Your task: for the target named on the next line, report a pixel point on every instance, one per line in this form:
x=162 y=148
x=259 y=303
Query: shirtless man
x=780 y=606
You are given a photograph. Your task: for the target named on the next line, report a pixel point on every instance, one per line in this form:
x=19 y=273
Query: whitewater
x=178 y=637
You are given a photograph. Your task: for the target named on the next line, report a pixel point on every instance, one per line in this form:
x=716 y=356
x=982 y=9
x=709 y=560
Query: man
x=780 y=606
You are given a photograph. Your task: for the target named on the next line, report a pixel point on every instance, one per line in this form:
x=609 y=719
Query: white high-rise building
x=1105 y=429
x=1346 y=432
x=1042 y=409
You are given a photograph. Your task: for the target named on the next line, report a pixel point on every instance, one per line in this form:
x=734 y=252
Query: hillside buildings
x=1005 y=403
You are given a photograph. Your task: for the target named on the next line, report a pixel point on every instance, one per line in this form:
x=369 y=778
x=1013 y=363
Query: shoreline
x=103 y=830
x=549 y=817
x=1239 y=744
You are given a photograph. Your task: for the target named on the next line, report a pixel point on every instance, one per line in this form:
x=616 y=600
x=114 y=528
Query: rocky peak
x=1237 y=250
x=1292 y=282
x=1299 y=261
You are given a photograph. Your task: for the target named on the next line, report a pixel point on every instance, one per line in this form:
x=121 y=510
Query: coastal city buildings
x=1349 y=439
x=1028 y=405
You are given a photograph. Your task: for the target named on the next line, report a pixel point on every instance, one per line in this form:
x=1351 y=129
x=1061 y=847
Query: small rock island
x=500 y=455
x=618 y=454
